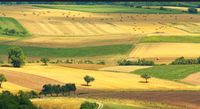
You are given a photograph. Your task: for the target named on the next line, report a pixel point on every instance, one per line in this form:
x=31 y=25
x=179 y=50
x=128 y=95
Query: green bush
x=88 y=105
x=192 y=10
x=142 y=62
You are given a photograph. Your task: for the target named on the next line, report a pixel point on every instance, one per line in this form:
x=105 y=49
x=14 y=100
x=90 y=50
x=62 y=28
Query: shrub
x=138 y=6
x=88 y=105
x=45 y=60
x=192 y=10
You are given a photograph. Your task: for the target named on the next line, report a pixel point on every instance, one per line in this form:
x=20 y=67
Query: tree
x=44 y=60
x=192 y=10
x=2 y=79
x=88 y=79
x=16 y=56
x=146 y=77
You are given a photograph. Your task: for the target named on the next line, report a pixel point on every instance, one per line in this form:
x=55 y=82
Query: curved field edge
x=110 y=9
x=170 y=72
x=74 y=103
x=12 y=23
x=72 y=52
x=107 y=81
x=178 y=39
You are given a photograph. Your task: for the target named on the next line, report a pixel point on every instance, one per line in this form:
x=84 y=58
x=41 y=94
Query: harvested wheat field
x=168 y=51
x=73 y=28
x=59 y=103
x=193 y=79
x=122 y=68
x=103 y=79
x=12 y=87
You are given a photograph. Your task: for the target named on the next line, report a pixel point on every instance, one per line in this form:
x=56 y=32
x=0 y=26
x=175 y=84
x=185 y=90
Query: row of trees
x=49 y=89
x=183 y=60
x=12 y=32
x=142 y=62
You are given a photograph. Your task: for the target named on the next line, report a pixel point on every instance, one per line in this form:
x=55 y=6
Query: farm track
x=186 y=99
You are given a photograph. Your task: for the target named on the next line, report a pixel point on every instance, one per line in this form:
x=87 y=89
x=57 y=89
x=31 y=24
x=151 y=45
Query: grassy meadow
x=178 y=39
x=110 y=9
x=11 y=23
x=170 y=72
x=71 y=52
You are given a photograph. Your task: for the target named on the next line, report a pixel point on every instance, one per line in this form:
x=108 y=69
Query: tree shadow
x=143 y=82
x=85 y=85
x=6 y=65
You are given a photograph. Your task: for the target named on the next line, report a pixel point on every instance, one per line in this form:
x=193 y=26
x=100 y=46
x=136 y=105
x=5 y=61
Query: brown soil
x=193 y=79
x=28 y=80
x=187 y=99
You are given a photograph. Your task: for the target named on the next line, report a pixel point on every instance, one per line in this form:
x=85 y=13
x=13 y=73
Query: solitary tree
x=44 y=60
x=16 y=56
x=146 y=77
x=2 y=79
x=88 y=79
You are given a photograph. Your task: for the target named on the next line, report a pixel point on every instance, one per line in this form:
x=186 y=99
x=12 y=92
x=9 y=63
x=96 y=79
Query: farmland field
x=110 y=9
x=80 y=40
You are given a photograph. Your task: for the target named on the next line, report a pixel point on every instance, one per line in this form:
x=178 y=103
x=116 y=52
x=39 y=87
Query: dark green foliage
x=192 y=10
x=182 y=60
x=2 y=79
x=88 y=105
x=45 y=60
x=19 y=101
x=16 y=56
x=58 y=89
x=146 y=77
x=88 y=79
x=142 y=62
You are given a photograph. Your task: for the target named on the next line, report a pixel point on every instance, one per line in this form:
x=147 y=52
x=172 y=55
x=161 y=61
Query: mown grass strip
x=72 y=52
x=110 y=9
x=178 y=39
x=170 y=72
x=11 y=23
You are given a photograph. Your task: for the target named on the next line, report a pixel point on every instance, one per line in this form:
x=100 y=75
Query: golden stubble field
x=165 y=52
x=104 y=80
x=74 y=28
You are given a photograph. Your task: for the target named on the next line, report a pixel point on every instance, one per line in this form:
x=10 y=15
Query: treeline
x=183 y=60
x=57 y=90
x=181 y=4
x=18 y=101
x=12 y=32
x=142 y=62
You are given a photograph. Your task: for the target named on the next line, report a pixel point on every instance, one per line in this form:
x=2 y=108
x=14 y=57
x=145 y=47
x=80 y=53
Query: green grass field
x=110 y=9
x=170 y=72
x=71 y=52
x=119 y=106
x=178 y=39
x=11 y=23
